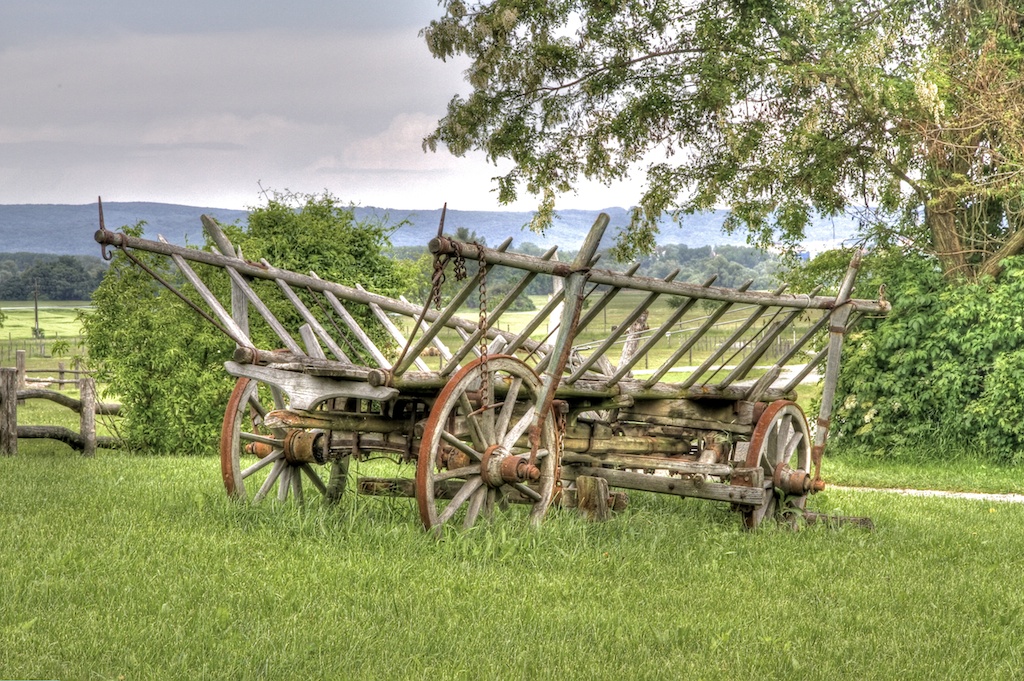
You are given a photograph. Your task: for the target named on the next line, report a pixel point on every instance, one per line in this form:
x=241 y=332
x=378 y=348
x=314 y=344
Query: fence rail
x=85 y=440
x=34 y=347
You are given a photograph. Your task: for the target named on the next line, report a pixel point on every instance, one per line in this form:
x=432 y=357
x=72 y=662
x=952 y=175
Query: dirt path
x=975 y=496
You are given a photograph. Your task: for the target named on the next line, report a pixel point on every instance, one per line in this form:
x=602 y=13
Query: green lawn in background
x=57 y=319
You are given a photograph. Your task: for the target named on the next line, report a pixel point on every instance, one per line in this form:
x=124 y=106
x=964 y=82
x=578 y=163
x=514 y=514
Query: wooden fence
x=34 y=347
x=14 y=391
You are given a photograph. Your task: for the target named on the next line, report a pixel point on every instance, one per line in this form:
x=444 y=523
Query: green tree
x=778 y=110
x=165 y=362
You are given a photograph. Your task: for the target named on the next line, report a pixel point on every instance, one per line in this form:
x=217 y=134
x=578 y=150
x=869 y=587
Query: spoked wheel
x=253 y=460
x=474 y=452
x=781 y=447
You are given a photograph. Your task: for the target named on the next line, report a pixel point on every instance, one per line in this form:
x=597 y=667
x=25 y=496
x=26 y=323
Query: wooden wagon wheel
x=781 y=447
x=252 y=456
x=473 y=451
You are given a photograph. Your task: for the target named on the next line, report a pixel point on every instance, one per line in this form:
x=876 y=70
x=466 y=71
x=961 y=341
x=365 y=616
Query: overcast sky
x=200 y=101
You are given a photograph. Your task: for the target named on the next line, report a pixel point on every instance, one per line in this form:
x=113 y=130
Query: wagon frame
x=507 y=419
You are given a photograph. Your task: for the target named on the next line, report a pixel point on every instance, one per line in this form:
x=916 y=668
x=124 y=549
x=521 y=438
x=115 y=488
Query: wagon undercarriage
x=493 y=416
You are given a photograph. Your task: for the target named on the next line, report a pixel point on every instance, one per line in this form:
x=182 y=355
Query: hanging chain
x=460 y=261
x=482 y=327
x=438 y=278
x=436 y=281
x=560 y=424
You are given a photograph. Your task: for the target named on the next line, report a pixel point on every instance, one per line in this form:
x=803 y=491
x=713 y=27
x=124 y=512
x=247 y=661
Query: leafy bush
x=164 y=361
x=943 y=372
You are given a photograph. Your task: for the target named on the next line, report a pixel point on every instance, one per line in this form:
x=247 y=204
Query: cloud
x=224 y=129
x=400 y=145
x=24 y=22
x=198 y=102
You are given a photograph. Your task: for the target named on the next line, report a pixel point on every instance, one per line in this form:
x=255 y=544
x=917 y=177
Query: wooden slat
x=312 y=321
x=656 y=337
x=395 y=332
x=650 y=284
x=353 y=326
x=234 y=330
x=496 y=313
x=748 y=363
x=726 y=344
x=614 y=336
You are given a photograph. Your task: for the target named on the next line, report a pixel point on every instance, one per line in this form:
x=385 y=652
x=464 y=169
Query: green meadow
x=125 y=567
x=133 y=567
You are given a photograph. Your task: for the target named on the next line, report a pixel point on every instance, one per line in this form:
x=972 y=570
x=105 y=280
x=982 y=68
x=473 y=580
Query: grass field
x=139 y=568
x=123 y=567
x=57 y=319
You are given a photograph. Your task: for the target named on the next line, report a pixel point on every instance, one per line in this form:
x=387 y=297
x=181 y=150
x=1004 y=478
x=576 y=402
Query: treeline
x=733 y=265
x=51 y=277
x=75 y=277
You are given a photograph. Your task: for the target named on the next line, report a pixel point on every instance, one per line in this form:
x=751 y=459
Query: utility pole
x=35 y=298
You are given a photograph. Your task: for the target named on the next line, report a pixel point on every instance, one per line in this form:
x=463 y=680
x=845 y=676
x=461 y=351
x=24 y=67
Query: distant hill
x=68 y=229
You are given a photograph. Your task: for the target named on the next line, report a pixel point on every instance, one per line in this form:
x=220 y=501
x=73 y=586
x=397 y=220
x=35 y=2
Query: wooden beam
x=8 y=411
x=678 y=486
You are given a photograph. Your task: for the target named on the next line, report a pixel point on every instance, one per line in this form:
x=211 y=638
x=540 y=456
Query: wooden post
x=592 y=498
x=8 y=411
x=87 y=390
x=20 y=364
x=60 y=375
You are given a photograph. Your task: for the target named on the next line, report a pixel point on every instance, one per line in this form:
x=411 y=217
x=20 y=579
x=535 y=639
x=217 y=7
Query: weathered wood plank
x=102 y=408
x=314 y=366
x=87 y=415
x=673 y=465
x=641 y=283
x=333 y=420
x=307 y=391
x=8 y=411
x=595 y=388
x=592 y=498
x=678 y=486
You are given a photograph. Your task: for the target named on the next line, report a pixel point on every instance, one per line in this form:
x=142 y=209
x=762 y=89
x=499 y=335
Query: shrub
x=165 y=362
x=943 y=372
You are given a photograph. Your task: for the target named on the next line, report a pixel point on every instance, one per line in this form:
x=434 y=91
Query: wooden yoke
x=575 y=283
x=838 y=325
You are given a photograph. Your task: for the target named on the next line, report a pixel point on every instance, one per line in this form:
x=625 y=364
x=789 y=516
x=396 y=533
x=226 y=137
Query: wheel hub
x=305 y=446
x=500 y=467
x=791 y=480
x=260 y=450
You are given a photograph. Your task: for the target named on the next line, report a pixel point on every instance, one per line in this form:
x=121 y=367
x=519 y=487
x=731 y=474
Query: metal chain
x=438 y=278
x=460 y=261
x=482 y=327
x=560 y=424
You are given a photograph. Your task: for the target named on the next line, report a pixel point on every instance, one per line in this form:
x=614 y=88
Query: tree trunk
x=940 y=217
x=993 y=265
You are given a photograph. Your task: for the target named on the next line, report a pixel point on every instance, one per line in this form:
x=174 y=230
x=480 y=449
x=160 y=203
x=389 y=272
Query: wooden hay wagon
x=506 y=419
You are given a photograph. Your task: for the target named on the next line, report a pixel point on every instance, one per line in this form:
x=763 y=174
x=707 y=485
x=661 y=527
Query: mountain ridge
x=67 y=229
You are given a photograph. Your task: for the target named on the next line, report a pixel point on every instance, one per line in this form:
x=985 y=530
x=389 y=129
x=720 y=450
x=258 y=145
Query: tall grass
x=122 y=567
